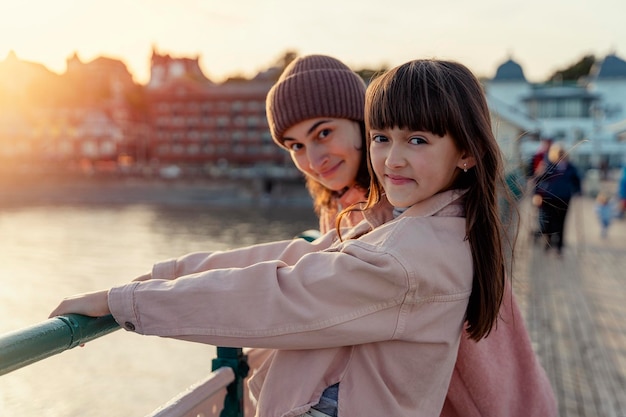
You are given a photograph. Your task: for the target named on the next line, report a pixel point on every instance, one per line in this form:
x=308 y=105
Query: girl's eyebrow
x=310 y=130
x=315 y=125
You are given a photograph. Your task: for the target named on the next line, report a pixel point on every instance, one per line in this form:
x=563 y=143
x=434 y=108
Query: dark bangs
x=406 y=97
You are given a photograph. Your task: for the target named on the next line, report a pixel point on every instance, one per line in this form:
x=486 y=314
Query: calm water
x=47 y=253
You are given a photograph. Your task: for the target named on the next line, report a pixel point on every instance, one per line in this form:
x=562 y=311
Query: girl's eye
x=379 y=139
x=324 y=133
x=295 y=147
x=416 y=140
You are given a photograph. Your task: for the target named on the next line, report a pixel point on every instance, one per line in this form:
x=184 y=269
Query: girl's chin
x=334 y=186
x=400 y=200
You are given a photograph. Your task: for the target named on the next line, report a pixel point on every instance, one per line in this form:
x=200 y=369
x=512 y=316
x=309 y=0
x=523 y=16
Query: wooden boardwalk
x=575 y=309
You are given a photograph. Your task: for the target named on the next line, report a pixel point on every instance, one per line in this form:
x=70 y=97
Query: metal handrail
x=206 y=397
x=32 y=344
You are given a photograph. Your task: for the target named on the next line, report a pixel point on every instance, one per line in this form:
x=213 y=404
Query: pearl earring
x=464 y=166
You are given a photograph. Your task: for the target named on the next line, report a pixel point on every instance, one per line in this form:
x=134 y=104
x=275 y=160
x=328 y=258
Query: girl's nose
x=318 y=157
x=395 y=157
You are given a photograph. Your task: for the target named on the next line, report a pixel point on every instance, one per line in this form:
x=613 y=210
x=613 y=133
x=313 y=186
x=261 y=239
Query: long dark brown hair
x=444 y=97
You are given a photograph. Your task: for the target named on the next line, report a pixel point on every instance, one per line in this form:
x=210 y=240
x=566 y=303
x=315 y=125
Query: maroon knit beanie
x=314 y=86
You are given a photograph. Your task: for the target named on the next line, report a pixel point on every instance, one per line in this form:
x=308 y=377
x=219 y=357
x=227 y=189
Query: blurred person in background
x=621 y=194
x=556 y=184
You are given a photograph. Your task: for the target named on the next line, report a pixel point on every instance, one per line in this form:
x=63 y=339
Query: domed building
x=608 y=79
x=509 y=71
x=587 y=116
x=611 y=68
x=513 y=126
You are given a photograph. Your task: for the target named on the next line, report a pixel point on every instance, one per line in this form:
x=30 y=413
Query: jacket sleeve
x=352 y=293
x=287 y=250
x=354 y=298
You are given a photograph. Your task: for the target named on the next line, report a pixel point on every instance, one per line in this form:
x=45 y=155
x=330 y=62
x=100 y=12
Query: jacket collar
x=447 y=203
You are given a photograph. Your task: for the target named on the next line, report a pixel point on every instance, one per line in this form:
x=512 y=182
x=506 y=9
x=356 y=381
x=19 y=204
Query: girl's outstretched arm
x=94 y=304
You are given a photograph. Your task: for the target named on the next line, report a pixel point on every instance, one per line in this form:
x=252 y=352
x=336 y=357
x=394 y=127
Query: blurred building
x=198 y=124
x=94 y=117
x=86 y=118
x=588 y=116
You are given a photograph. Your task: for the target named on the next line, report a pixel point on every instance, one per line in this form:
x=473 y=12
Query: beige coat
x=381 y=314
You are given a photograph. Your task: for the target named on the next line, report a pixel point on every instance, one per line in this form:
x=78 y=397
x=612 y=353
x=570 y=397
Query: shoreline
x=123 y=191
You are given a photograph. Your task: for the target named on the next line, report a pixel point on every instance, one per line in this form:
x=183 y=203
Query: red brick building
x=94 y=116
x=195 y=122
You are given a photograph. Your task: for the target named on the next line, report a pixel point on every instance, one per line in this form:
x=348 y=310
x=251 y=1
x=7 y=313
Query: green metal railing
x=32 y=344
x=235 y=359
x=23 y=347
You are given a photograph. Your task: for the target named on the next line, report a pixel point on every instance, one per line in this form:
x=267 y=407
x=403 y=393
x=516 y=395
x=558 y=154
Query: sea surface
x=48 y=252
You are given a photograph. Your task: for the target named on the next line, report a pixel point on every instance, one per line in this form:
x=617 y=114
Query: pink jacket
x=498 y=376
x=381 y=314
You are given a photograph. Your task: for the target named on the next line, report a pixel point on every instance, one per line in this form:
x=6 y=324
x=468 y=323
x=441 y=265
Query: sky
x=243 y=37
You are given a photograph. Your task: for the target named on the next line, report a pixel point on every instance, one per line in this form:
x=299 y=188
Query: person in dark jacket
x=555 y=187
x=621 y=194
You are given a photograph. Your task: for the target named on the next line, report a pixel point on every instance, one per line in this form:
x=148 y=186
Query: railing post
x=309 y=235
x=235 y=359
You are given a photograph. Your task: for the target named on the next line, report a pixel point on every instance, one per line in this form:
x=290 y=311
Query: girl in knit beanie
x=315 y=112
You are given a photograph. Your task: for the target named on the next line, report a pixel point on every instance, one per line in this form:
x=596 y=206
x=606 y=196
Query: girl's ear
x=466 y=162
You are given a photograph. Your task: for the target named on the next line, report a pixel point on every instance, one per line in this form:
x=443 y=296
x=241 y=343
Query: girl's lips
x=329 y=172
x=398 y=179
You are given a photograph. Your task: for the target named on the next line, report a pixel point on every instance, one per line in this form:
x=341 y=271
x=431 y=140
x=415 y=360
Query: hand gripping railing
x=31 y=344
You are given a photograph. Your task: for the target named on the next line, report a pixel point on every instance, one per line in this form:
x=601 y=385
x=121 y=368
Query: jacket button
x=129 y=326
